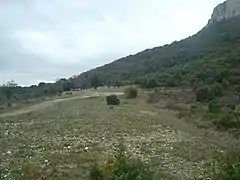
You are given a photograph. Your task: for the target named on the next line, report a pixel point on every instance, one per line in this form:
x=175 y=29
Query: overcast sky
x=42 y=40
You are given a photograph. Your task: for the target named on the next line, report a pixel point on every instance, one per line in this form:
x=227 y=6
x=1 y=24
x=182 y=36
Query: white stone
x=9 y=152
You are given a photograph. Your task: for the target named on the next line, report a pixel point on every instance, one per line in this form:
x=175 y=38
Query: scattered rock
x=9 y=152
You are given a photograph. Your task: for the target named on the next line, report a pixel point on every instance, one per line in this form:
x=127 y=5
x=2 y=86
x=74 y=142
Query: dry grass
x=64 y=139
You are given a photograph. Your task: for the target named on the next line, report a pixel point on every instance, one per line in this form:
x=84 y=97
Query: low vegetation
x=121 y=166
x=206 y=93
x=131 y=92
x=112 y=100
x=225 y=167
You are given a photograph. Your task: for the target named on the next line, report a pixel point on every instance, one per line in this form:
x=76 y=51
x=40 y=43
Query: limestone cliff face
x=225 y=10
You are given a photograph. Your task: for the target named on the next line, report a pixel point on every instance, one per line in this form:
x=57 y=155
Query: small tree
x=95 y=82
x=11 y=84
x=118 y=84
x=108 y=84
x=7 y=90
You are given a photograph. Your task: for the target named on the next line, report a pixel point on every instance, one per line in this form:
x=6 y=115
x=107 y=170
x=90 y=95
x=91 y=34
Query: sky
x=43 y=40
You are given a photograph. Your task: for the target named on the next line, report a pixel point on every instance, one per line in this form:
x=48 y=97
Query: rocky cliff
x=225 y=10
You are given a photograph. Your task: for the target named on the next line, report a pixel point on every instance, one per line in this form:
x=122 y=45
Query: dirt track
x=52 y=102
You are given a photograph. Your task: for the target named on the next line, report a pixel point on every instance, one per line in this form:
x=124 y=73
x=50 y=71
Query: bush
x=228 y=120
x=213 y=107
x=112 y=100
x=225 y=167
x=208 y=93
x=232 y=106
x=121 y=167
x=131 y=93
x=203 y=94
x=9 y=104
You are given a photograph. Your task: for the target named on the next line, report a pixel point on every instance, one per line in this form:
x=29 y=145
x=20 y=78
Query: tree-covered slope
x=215 y=47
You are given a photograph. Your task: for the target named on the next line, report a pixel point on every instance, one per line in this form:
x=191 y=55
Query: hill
x=212 y=55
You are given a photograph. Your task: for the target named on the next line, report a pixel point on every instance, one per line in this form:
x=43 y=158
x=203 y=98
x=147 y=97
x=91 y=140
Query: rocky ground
x=63 y=139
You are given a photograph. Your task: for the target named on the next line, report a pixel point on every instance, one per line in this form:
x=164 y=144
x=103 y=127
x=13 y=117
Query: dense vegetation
x=112 y=100
x=225 y=166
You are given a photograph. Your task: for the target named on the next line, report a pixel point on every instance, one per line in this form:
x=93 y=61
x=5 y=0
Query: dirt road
x=52 y=102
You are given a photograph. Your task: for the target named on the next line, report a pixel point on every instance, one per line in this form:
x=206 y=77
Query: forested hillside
x=209 y=56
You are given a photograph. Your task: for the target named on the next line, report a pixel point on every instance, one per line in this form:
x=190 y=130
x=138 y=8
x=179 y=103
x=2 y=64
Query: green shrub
x=131 y=93
x=232 y=106
x=112 y=100
x=203 y=94
x=121 y=167
x=228 y=120
x=9 y=104
x=213 y=107
x=225 y=167
x=95 y=173
x=208 y=93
